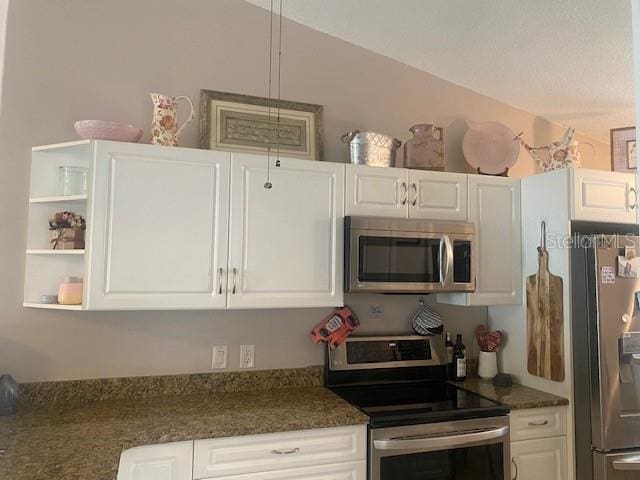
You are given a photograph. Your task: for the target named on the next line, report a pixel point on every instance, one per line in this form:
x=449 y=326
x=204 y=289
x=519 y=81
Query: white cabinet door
x=172 y=461
x=599 y=196
x=376 y=191
x=437 y=195
x=544 y=459
x=337 y=471
x=494 y=208
x=158 y=228
x=286 y=243
x=243 y=455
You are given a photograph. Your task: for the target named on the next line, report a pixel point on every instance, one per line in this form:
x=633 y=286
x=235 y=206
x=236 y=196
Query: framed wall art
x=623 y=149
x=240 y=123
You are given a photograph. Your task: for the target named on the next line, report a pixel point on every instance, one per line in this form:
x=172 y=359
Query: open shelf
x=59 y=198
x=42 y=251
x=52 y=306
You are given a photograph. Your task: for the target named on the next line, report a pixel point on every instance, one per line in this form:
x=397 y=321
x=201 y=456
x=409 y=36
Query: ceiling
x=567 y=61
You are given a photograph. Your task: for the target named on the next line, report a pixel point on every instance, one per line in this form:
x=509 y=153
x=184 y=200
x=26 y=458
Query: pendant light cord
x=268 y=183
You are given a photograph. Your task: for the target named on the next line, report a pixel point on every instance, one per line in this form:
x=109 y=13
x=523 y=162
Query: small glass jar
x=70 y=291
x=73 y=180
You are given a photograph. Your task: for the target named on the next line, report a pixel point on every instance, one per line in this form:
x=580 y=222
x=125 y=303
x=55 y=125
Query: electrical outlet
x=247 y=356
x=219 y=357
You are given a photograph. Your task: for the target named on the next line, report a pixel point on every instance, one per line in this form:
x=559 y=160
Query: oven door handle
x=446 y=264
x=440 y=442
x=633 y=464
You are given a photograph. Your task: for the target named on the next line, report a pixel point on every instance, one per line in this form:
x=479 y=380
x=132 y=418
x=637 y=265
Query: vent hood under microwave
x=390 y=255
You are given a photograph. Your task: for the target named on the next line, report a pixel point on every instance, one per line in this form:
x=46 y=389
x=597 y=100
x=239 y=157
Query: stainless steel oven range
x=421 y=427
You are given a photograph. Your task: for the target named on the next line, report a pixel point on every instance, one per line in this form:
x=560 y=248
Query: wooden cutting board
x=545 y=329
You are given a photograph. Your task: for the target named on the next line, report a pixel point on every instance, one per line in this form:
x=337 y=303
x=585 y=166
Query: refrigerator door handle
x=631 y=464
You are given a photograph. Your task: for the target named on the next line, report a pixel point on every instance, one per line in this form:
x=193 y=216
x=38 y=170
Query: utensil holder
x=487 y=365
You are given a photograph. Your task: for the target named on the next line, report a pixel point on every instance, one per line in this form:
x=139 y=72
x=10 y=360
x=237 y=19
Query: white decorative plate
x=490 y=146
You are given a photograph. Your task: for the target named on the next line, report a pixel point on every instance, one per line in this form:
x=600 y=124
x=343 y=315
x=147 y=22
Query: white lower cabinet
x=222 y=457
x=171 y=461
x=320 y=454
x=542 y=459
x=539 y=444
x=339 y=471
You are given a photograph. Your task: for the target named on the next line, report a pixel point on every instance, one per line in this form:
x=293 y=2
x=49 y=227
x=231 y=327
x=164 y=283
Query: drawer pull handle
x=285 y=452
x=515 y=477
x=539 y=424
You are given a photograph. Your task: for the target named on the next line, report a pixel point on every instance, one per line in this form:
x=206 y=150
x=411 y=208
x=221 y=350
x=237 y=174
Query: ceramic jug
x=164 y=125
x=426 y=149
x=562 y=153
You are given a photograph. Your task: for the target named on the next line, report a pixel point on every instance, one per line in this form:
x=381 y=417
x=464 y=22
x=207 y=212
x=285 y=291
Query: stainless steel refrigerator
x=606 y=356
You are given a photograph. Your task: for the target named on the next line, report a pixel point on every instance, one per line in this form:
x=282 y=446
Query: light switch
x=219 y=357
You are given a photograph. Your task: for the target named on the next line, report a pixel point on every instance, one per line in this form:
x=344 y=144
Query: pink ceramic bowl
x=101 y=130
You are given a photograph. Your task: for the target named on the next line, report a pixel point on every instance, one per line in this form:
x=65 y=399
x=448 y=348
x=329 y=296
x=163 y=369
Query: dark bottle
x=448 y=346
x=460 y=355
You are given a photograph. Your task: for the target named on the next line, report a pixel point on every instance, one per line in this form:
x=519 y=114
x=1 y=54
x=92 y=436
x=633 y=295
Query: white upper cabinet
x=158 y=229
x=601 y=196
x=286 y=243
x=494 y=209
x=437 y=195
x=376 y=191
x=402 y=193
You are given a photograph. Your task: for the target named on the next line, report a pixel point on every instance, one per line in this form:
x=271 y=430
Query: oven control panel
x=387 y=352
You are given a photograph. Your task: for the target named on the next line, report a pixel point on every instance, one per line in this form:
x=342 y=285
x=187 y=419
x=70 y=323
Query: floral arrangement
x=62 y=220
x=488 y=341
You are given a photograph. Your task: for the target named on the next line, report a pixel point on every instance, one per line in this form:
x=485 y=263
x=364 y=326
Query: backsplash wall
x=79 y=59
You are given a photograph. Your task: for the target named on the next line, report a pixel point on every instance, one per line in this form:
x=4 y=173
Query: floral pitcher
x=164 y=125
x=562 y=153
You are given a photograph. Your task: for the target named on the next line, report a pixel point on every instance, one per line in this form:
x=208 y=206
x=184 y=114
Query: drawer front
x=538 y=423
x=340 y=471
x=278 y=451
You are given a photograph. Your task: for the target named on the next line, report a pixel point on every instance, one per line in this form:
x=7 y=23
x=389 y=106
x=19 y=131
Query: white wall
x=78 y=59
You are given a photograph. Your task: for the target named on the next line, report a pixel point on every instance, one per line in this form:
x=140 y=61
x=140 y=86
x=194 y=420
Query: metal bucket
x=371 y=148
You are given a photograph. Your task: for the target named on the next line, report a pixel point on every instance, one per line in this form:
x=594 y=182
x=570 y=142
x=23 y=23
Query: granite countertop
x=516 y=397
x=83 y=441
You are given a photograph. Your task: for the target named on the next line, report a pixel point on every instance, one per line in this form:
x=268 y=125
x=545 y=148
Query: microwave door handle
x=439 y=442
x=632 y=464
x=443 y=267
x=446 y=271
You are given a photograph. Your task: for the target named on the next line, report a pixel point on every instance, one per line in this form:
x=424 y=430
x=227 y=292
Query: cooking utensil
x=490 y=147
x=545 y=330
x=371 y=148
x=426 y=322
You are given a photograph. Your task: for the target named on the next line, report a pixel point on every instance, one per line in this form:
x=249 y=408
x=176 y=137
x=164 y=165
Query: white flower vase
x=487 y=365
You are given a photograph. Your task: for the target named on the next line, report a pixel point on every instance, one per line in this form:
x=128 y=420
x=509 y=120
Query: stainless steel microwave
x=390 y=255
